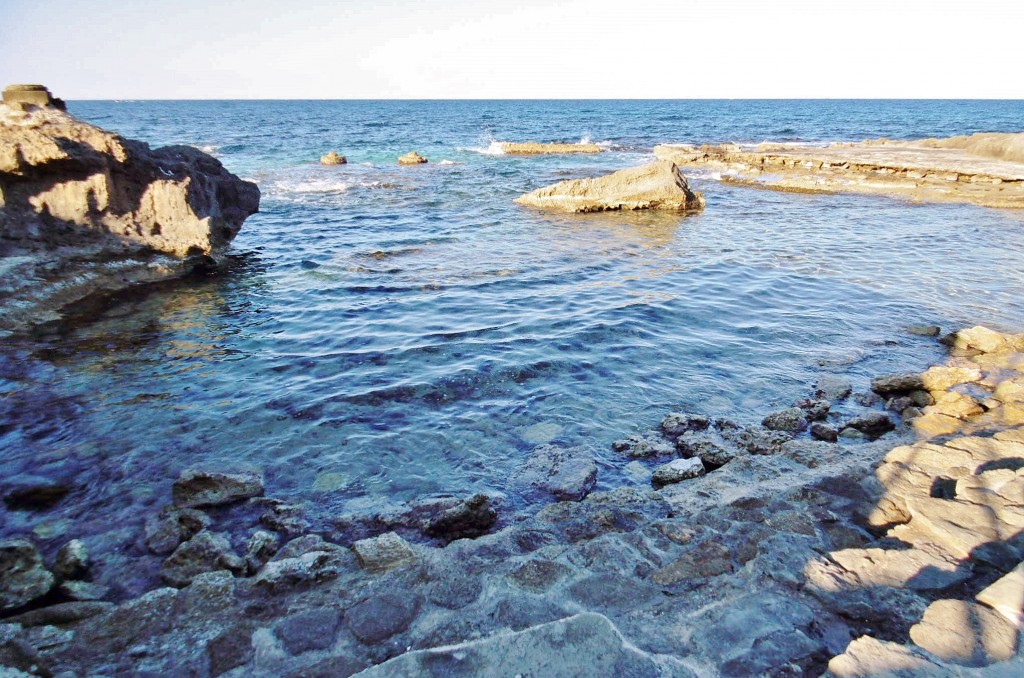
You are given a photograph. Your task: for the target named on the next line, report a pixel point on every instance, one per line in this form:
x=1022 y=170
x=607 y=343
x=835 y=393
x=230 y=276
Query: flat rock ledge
x=84 y=210
x=657 y=186
x=984 y=169
x=542 y=148
x=788 y=555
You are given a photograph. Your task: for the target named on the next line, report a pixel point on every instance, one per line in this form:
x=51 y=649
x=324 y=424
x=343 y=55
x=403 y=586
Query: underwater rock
x=197 y=488
x=563 y=473
x=468 y=519
x=32 y=493
x=163 y=532
x=657 y=185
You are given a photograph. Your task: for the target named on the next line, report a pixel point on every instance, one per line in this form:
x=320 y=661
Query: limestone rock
x=894 y=384
x=791 y=420
x=822 y=431
x=197 y=488
x=677 y=471
x=72 y=561
x=382 y=615
x=205 y=552
x=658 y=185
x=261 y=547
x=21 y=97
x=830 y=387
x=411 y=158
x=313 y=629
x=541 y=148
x=83 y=590
x=587 y=644
x=867 y=657
x=333 y=158
x=1006 y=596
x=643 y=446
x=965 y=633
x=939 y=378
x=567 y=474
x=84 y=209
x=676 y=424
x=163 y=532
x=61 y=613
x=383 y=553
x=22 y=575
x=979 y=338
x=466 y=520
x=301 y=562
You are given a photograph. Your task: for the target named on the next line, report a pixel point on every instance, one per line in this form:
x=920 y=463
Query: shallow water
x=410 y=331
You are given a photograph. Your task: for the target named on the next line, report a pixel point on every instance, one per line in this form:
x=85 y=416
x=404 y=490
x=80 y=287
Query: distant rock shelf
x=538 y=148
x=982 y=169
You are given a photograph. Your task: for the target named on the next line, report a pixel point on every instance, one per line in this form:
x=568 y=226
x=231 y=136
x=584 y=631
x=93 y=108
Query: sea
x=383 y=334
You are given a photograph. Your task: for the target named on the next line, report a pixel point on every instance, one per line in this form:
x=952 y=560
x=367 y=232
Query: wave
x=493 y=148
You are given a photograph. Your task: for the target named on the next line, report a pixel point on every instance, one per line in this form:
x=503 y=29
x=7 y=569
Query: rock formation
x=24 y=97
x=537 y=148
x=333 y=158
x=411 y=158
x=658 y=185
x=984 y=169
x=86 y=209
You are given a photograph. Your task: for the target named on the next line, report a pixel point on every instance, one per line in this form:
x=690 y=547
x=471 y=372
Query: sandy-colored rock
x=21 y=97
x=940 y=378
x=867 y=657
x=333 y=158
x=540 y=148
x=1006 y=596
x=411 y=158
x=84 y=209
x=918 y=171
x=965 y=633
x=383 y=553
x=657 y=185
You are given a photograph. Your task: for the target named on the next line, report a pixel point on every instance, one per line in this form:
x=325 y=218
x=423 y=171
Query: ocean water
x=386 y=333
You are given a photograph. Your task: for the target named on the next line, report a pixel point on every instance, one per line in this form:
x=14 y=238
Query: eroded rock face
x=72 y=192
x=411 y=158
x=541 y=148
x=658 y=185
x=22 y=575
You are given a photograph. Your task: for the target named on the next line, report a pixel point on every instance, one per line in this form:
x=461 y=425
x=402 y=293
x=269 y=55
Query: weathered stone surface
x=587 y=644
x=302 y=563
x=333 y=158
x=826 y=432
x=86 y=210
x=676 y=471
x=709 y=559
x=260 y=547
x=542 y=148
x=164 y=531
x=383 y=553
x=872 y=424
x=867 y=657
x=21 y=97
x=198 y=488
x=914 y=569
x=314 y=629
x=965 y=633
x=676 y=424
x=566 y=474
x=981 y=339
x=538 y=575
x=466 y=520
x=791 y=420
x=72 y=560
x=644 y=446
x=61 y=613
x=658 y=185
x=411 y=158
x=22 y=575
x=382 y=615
x=895 y=384
x=1006 y=596
x=939 y=378
x=229 y=649
x=84 y=590
x=833 y=388
x=205 y=552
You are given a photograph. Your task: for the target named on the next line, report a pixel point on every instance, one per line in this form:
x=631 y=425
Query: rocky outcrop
x=333 y=158
x=984 y=170
x=540 y=148
x=411 y=158
x=26 y=97
x=85 y=209
x=658 y=186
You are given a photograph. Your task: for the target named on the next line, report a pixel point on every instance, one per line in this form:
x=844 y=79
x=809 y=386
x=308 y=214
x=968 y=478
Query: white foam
x=493 y=148
x=449 y=162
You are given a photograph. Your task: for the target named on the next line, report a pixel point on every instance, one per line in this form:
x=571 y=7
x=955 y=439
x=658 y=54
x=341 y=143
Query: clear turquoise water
x=412 y=330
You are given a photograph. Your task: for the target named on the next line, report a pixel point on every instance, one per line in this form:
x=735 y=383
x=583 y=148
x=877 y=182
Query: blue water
x=412 y=331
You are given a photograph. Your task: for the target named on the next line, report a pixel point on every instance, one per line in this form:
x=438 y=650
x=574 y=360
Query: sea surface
x=387 y=333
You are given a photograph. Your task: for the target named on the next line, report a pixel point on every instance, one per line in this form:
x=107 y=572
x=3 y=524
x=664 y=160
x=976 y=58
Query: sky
x=498 y=49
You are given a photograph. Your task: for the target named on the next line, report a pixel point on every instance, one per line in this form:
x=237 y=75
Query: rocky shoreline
x=985 y=169
x=893 y=550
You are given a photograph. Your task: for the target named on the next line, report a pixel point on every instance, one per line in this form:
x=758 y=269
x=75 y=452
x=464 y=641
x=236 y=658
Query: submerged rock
x=22 y=575
x=83 y=209
x=32 y=493
x=469 y=519
x=657 y=185
x=163 y=532
x=563 y=473
x=196 y=488
x=411 y=158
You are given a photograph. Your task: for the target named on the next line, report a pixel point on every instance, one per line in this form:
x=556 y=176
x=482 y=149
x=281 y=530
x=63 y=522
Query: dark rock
x=896 y=384
x=229 y=650
x=205 y=552
x=830 y=387
x=821 y=431
x=22 y=575
x=899 y=403
x=61 y=613
x=814 y=410
x=382 y=615
x=921 y=398
x=757 y=440
x=791 y=420
x=867 y=399
x=164 y=532
x=260 y=548
x=924 y=330
x=113 y=632
x=303 y=562
x=676 y=423
x=567 y=474
x=314 y=629
x=468 y=520
x=31 y=493
x=72 y=561
x=338 y=666
x=284 y=518
x=538 y=575
x=83 y=590
x=197 y=488
x=643 y=446
x=872 y=424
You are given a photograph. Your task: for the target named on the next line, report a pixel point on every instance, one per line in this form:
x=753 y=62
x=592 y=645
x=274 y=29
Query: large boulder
x=22 y=575
x=658 y=185
x=87 y=209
